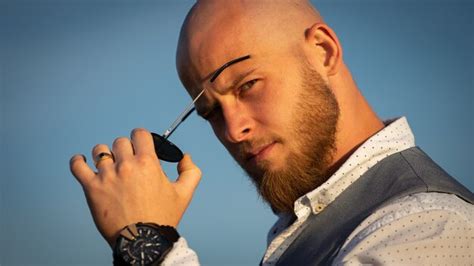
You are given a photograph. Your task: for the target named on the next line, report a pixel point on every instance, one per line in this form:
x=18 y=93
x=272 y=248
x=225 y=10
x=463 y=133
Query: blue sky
x=78 y=73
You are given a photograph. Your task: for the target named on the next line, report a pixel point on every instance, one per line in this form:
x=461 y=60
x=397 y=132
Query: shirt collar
x=395 y=137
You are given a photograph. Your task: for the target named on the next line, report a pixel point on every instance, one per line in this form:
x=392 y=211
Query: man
x=347 y=186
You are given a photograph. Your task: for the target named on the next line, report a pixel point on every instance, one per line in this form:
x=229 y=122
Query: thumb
x=189 y=177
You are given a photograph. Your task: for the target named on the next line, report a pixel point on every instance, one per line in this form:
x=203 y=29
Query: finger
x=189 y=176
x=143 y=142
x=122 y=149
x=80 y=170
x=104 y=163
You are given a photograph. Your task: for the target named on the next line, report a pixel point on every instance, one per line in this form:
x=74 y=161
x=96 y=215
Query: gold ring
x=102 y=156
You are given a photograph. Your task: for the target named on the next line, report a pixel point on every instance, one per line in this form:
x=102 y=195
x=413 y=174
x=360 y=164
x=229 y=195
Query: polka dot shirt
x=425 y=228
x=181 y=254
x=421 y=229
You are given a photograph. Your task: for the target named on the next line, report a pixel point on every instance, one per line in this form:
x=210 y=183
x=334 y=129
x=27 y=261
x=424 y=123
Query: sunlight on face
x=314 y=128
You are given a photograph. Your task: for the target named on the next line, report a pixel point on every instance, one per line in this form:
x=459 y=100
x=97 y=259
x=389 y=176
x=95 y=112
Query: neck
x=357 y=121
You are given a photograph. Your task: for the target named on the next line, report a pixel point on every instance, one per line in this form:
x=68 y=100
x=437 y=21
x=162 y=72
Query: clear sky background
x=78 y=73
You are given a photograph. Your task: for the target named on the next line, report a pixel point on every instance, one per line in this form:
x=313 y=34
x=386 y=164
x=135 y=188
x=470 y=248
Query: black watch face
x=146 y=248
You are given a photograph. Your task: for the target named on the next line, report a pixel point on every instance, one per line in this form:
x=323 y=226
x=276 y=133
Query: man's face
x=278 y=121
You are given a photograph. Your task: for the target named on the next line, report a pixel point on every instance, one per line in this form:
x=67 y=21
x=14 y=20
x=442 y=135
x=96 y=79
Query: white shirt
x=424 y=228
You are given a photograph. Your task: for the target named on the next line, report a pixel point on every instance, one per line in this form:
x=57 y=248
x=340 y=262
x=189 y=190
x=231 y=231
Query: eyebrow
x=226 y=65
x=208 y=108
x=218 y=72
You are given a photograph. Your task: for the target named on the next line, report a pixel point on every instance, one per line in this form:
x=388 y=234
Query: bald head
x=215 y=31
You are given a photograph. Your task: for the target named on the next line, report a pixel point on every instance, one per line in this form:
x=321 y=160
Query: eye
x=211 y=114
x=247 y=85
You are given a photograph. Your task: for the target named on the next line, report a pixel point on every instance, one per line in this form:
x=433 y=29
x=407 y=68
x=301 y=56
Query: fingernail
x=84 y=157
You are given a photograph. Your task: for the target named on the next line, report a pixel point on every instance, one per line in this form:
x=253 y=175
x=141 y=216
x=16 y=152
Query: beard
x=314 y=128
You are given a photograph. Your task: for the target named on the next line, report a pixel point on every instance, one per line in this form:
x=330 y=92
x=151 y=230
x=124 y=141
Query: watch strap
x=169 y=232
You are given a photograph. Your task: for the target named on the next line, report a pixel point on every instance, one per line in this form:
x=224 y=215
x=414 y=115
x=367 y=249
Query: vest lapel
x=398 y=175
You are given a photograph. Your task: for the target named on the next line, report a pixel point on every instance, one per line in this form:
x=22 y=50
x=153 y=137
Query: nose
x=238 y=125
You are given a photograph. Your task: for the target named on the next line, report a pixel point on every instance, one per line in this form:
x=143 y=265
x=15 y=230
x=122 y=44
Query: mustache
x=244 y=148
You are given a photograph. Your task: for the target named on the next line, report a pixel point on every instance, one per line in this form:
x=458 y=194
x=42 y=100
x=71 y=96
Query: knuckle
x=145 y=159
x=198 y=177
x=124 y=167
x=196 y=171
x=106 y=177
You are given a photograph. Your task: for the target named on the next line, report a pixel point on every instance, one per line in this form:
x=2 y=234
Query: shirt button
x=319 y=207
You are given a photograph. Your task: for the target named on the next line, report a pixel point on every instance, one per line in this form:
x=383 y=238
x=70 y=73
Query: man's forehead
x=208 y=43
x=203 y=60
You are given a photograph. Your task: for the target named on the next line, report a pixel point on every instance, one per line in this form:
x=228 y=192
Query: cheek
x=275 y=109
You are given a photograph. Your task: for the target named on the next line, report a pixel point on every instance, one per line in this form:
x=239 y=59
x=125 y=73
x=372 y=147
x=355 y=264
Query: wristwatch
x=144 y=244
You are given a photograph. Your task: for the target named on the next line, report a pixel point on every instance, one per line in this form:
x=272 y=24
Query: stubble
x=314 y=128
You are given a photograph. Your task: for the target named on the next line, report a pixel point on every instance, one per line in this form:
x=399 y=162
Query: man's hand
x=131 y=187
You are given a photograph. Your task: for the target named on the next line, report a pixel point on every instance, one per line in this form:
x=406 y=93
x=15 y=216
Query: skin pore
x=288 y=115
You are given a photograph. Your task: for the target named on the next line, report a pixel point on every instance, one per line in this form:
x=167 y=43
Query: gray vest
x=400 y=174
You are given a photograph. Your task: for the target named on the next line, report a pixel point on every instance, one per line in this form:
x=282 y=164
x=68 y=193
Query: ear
x=328 y=51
